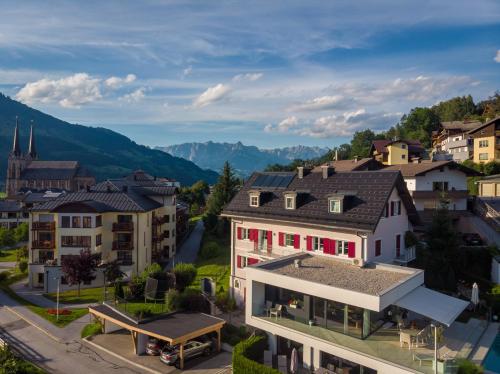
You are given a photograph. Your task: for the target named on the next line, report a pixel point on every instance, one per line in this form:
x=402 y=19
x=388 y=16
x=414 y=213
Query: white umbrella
x=294 y=361
x=474 y=297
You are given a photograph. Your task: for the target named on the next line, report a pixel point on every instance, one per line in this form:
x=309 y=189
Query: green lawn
x=87 y=295
x=8 y=255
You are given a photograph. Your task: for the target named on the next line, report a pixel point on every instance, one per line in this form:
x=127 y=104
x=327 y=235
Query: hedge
x=247 y=352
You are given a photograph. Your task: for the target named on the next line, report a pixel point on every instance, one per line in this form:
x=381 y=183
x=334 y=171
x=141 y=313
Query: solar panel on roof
x=272 y=180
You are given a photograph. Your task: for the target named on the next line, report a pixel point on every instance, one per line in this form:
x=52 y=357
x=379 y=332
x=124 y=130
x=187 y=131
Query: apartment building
x=132 y=220
x=12 y=214
x=396 y=152
x=428 y=181
x=316 y=260
x=487 y=141
x=453 y=138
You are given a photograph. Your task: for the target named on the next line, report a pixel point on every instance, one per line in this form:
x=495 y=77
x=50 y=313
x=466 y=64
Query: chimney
x=325 y=169
x=300 y=172
x=356 y=158
x=336 y=154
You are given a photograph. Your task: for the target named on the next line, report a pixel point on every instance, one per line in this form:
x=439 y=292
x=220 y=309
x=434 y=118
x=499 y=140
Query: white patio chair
x=282 y=366
x=405 y=338
x=268 y=358
x=268 y=307
x=276 y=311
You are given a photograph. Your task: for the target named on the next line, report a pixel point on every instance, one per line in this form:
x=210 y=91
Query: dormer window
x=290 y=200
x=254 y=198
x=335 y=205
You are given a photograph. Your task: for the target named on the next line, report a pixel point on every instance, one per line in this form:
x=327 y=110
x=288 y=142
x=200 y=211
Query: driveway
x=188 y=251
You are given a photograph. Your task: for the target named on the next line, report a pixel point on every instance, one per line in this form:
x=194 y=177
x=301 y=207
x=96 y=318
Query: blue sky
x=266 y=73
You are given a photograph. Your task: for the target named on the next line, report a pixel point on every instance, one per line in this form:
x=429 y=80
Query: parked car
x=170 y=354
x=155 y=346
x=472 y=238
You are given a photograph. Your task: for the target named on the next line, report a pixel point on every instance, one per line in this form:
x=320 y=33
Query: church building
x=27 y=172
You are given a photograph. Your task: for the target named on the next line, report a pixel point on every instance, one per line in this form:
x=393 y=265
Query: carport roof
x=175 y=327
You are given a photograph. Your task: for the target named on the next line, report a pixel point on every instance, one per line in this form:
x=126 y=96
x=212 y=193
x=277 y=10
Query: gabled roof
x=368 y=193
x=351 y=165
x=417 y=169
x=460 y=125
x=10 y=206
x=484 y=125
x=490 y=178
x=50 y=170
x=381 y=145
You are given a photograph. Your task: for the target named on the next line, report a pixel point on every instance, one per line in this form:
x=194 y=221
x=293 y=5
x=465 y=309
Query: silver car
x=170 y=355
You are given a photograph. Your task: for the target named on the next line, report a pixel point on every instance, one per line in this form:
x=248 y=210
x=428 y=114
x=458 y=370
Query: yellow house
x=396 y=152
x=487 y=141
x=489 y=186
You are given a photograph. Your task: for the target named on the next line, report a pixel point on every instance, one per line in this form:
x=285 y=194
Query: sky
x=270 y=74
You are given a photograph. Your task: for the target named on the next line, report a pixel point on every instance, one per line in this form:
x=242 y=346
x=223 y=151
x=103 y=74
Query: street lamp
x=57 y=298
x=435 y=347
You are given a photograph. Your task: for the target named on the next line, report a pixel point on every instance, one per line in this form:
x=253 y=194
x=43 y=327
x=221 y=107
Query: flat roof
x=372 y=279
x=172 y=327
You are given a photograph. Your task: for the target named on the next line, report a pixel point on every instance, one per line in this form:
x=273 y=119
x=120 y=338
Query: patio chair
x=423 y=357
x=276 y=311
x=268 y=358
x=268 y=307
x=423 y=337
x=405 y=338
x=282 y=366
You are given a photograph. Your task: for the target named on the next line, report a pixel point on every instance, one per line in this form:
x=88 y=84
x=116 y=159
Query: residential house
x=427 y=182
x=396 y=152
x=356 y=164
x=131 y=220
x=312 y=260
x=489 y=186
x=453 y=138
x=487 y=141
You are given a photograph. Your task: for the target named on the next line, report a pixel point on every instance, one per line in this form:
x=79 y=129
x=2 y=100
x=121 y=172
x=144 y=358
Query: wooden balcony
x=43 y=244
x=160 y=220
x=122 y=246
x=158 y=237
x=46 y=226
x=123 y=226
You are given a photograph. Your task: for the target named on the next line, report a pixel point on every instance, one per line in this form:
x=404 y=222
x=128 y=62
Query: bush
x=11 y=364
x=23 y=266
x=246 y=354
x=468 y=367
x=232 y=335
x=119 y=290
x=152 y=271
x=143 y=312
x=136 y=287
x=225 y=302
x=4 y=275
x=22 y=252
x=21 y=233
x=184 y=275
x=173 y=300
x=209 y=250
x=193 y=301
x=91 y=329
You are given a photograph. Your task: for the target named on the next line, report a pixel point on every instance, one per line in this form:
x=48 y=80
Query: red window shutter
x=239 y=261
x=326 y=246
x=333 y=247
x=269 y=241
x=281 y=239
x=309 y=242
x=252 y=261
x=240 y=233
x=392 y=208
x=296 y=241
x=351 y=249
x=378 y=247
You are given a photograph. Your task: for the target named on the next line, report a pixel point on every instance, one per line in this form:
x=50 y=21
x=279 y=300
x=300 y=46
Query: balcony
x=122 y=246
x=160 y=220
x=43 y=244
x=123 y=226
x=45 y=226
x=407 y=255
x=158 y=237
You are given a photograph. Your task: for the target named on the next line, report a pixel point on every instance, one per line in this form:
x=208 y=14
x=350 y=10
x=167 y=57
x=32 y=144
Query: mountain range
x=243 y=158
x=106 y=153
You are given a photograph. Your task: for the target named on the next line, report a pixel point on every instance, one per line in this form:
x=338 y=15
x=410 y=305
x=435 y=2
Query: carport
x=175 y=328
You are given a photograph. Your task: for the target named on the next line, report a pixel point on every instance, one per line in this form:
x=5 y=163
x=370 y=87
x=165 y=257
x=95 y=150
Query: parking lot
x=120 y=342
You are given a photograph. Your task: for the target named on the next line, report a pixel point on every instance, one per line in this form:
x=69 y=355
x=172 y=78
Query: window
x=65 y=222
x=440 y=186
x=75 y=241
x=403 y=146
x=378 y=247
x=386 y=210
x=403 y=157
x=483 y=143
x=483 y=156
x=242 y=262
x=342 y=247
x=289 y=240
x=398 y=208
x=125 y=257
x=245 y=233
x=98 y=221
x=335 y=206
x=98 y=239
x=289 y=202
x=87 y=222
x=317 y=244
x=76 y=222
x=124 y=218
x=166 y=234
x=173 y=217
x=254 y=200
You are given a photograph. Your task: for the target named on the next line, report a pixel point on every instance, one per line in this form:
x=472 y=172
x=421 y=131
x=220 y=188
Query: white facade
x=460 y=146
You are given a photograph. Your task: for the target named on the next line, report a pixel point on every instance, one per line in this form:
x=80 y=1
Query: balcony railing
x=122 y=246
x=407 y=255
x=43 y=244
x=50 y=226
x=160 y=220
x=123 y=226
x=158 y=237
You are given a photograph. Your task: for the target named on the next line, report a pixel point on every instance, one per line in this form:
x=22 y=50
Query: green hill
x=106 y=153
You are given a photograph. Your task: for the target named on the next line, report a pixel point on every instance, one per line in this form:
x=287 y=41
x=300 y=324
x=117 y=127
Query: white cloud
x=321 y=103
x=497 y=57
x=212 y=95
x=284 y=126
x=187 y=71
x=117 y=82
x=72 y=91
x=135 y=96
x=252 y=77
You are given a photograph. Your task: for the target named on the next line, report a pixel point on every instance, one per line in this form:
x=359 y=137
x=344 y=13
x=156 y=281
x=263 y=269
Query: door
x=398 y=245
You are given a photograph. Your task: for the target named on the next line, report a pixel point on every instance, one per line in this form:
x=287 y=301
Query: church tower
x=31 y=147
x=15 y=164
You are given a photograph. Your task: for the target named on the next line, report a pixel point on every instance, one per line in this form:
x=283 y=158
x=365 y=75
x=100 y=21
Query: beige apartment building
x=131 y=220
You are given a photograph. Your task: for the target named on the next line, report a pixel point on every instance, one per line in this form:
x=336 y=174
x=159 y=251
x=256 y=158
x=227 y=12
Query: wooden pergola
x=175 y=328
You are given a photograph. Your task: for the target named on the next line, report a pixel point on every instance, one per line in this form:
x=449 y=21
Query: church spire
x=16 y=149
x=32 y=149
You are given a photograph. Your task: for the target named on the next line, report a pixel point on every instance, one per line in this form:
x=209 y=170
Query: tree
x=361 y=143
x=456 y=109
x=80 y=268
x=185 y=274
x=7 y=238
x=21 y=233
x=418 y=125
x=112 y=272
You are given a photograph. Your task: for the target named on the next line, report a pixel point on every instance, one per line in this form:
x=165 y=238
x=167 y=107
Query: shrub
x=193 y=301
x=9 y=363
x=91 y=329
x=23 y=266
x=143 y=312
x=172 y=300
x=119 y=290
x=225 y=302
x=184 y=275
x=233 y=335
x=22 y=252
x=208 y=251
x=468 y=367
x=152 y=271
x=247 y=352
x=136 y=287
x=4 y=275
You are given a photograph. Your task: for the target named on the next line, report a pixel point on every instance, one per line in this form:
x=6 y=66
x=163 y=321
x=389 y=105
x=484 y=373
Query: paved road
x=189 y=250
x=70 y=357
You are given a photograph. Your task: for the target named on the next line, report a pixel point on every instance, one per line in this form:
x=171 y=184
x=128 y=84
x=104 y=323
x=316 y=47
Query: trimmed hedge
x=247 y=352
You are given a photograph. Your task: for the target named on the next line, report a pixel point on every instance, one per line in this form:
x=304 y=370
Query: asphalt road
x=71 y=357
